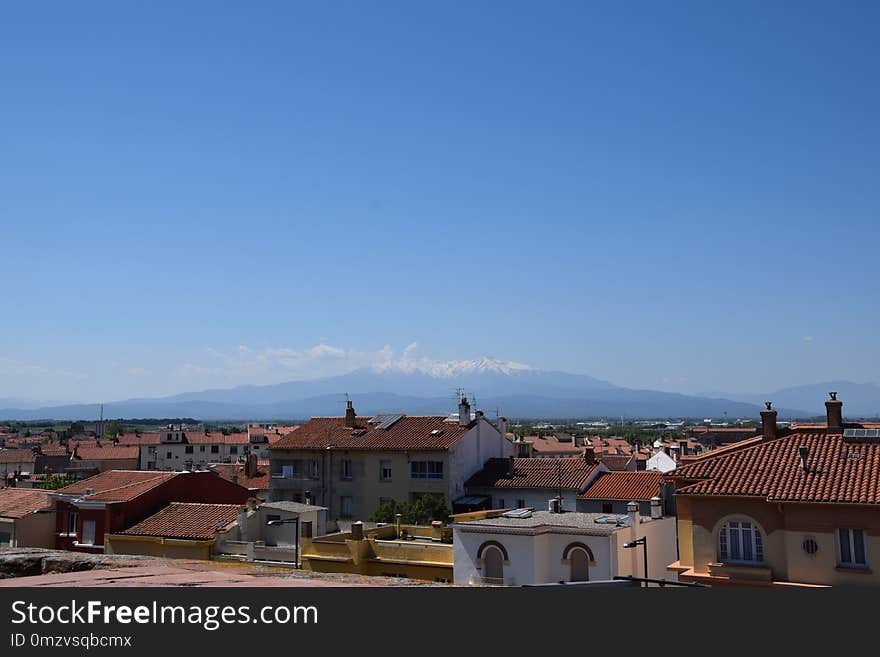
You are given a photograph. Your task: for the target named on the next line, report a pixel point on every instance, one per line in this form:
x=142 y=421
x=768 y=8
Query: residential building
x=797 y=505
x=26 y=518
x=711 y=437
x=353 y=465
x=252 y=538
x=16 y=462
x=115 y=500
x=660 y=461
x=181 y=530
x=511 y=482
x=524 y=547
x=411 y=551
x=180 y=448
x=52 y=458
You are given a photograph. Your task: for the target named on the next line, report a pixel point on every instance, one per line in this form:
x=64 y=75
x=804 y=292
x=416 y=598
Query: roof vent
x=90 y=491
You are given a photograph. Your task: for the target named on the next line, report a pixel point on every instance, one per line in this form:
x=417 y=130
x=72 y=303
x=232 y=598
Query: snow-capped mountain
x=416 y=386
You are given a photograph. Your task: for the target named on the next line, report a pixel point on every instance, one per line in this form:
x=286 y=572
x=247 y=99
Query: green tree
x=422 y=511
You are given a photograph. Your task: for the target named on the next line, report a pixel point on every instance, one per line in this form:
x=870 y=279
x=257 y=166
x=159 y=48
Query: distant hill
x=517 y=390
x=859 y=399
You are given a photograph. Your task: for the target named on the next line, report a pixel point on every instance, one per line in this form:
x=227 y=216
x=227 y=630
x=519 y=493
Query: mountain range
x=512 y=389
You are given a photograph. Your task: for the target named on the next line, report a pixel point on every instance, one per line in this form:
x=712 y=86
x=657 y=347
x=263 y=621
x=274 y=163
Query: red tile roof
x=17 y=456
x=53 y=449
x=566 y=472
x=186 y=521
x=624 y=486
x=19 y=502
x=838 y=470
x=410 y=432
x=616 y=461
x=147 y=438
x=260 y=481
x=107 y=453
x=117 y=485
x=544 y=445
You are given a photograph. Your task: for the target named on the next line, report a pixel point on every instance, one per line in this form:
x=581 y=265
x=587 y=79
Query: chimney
x=350 y=416
x=357 y=531
x=682 y=448
x=590 y=454
x=502 y=426
x=768 y=422
x=511 y=468
x=464 y=412
x=251 y=504
x=555 y=505
x=250 y=467
x=803 y=452
x=834 y=411
x=632 y=510
x=523 y=449
x=234 y=477
x=479 y=415
x=656 y=508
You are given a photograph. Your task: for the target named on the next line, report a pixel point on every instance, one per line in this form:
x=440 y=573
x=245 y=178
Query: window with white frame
x=72 y=521
x=740 y=542
x=851 y=546
x=385 y=470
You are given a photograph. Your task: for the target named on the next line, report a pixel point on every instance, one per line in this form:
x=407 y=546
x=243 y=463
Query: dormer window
x=740 y=542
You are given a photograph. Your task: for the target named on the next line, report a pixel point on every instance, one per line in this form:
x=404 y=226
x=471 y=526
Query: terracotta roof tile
x=107 y=453
x=260 y=481
x=838 y=470
x=117 y=485
x=624 y=486
x=410 y=432
x=186 y=520
x=19 y=502
x=616 y=461
x=569 y=473
x=17 y=456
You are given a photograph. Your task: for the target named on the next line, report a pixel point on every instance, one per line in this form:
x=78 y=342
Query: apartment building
x=180 y=448
x=353 y=465
x=795 y=505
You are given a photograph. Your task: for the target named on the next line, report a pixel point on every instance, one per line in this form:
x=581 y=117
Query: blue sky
x=681 y=196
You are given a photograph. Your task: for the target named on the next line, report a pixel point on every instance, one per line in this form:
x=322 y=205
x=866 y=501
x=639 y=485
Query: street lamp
x=295 y=519
x=643 y=541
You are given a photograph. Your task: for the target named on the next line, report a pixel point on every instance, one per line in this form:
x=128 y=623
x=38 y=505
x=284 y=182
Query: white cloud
x=808 y=338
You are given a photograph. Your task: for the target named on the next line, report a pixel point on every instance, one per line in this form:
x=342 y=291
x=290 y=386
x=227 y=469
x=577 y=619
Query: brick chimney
x=250 y=467
x=768 y=422
x=350 y=416
x=834 y=412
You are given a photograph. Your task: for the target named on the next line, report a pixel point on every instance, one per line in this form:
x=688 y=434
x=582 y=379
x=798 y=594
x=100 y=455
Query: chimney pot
x=589 y=454
x=834 y=413
x=464 y=412
x=357 y=531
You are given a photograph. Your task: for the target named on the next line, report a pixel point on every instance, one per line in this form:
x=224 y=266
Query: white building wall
x=471 y=452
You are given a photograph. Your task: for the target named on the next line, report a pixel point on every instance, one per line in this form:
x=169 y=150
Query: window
x=314 y=470
x=500 y=503
x=520 y=504
x=345 y=505
x=233 y=449
x=5 y=539
x=188 y=449
x=607 y=507
x=168 y=455
x=169 y=437
x=385 y=470
x=740 y=542
x=88 y=535
x=287 y=471
x=72 y=521
x=346 y=469
x=385 y=501
x=201 y=448
x=852 y=548
x=215 y=449
x=306 y=529
x=426 y=470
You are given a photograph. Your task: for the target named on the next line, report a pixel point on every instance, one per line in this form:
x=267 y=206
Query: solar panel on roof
x=389 y=420
x=862 y=433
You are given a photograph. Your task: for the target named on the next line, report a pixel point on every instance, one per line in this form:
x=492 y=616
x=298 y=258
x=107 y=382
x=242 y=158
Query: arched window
x=740 y=542
x=579 y=562
x=493 y=565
